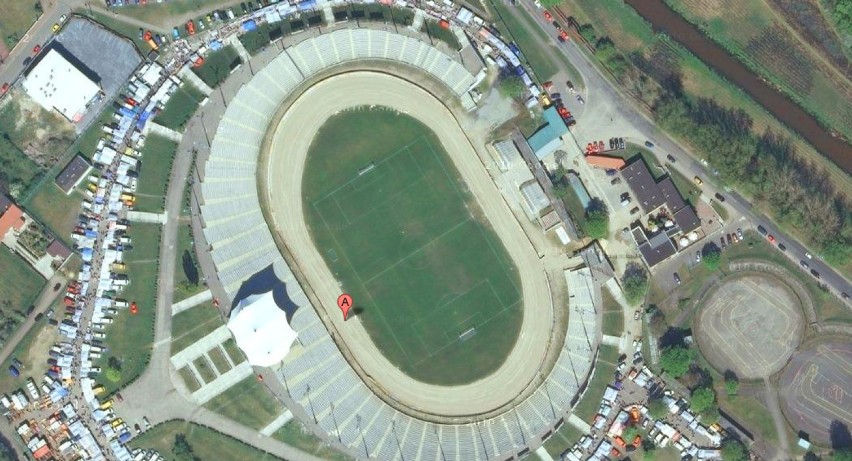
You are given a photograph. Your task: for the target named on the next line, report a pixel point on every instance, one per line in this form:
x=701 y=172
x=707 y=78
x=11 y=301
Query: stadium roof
x=55 y=83
x=261 y=330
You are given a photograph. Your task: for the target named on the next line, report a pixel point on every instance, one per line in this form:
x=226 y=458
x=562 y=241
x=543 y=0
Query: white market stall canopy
x=261 y=330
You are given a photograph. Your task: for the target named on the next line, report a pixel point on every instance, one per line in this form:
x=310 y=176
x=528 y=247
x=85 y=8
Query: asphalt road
x=284 y=173
x=609 y=101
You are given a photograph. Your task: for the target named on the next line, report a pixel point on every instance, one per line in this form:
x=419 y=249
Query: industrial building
x=56 y=83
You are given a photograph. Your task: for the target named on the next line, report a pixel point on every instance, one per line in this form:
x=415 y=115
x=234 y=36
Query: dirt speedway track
x=283 y=167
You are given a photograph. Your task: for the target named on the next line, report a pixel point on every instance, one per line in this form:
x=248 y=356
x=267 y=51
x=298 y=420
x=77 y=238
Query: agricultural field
x=440 y=295
x=156 y=166
x=206 y=444
x=757 y=35
x=130 y=338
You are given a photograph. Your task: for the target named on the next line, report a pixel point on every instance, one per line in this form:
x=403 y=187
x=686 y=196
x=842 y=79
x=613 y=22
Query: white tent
x=261 y=330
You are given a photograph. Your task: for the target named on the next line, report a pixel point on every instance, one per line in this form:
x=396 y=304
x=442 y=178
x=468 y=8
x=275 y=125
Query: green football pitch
x=430 y=280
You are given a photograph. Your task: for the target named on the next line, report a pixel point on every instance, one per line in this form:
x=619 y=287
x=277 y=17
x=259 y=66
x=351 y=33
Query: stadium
x=451 y=353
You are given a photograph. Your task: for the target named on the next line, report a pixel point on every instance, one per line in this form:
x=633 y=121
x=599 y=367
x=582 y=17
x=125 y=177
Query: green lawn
x=434 y=30
x=613 y=315
x=56 y=210
x=234 y=351
x=207 y=444
x=130 y=338
x=720 y=209
x=162 y=14
x=184 y=288
x=189 y=379
x=521 y=32
x=217 y=66
x=21 y=285
x=18 y=16
x=588 y=406
x=219 y=361
x=248 y=402
x=205 y=370
x=687 y=188
x=561 y=440
x=156 y=166
x=181 y=107
x=193 y=324
x=409 y=247
x=295 y=434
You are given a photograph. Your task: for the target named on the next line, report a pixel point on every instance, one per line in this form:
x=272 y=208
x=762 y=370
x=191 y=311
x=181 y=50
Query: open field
x=248 y=402
x=180 y=107
x=130 y=338
x=588 y=405
x=193 y=324
x=32 y=352
x=814 y=388
x=750 y=324
x=18 y=16
x=753 y=32
x=207 y=444
x=749 y=411
x=295 y=434
x=420 y=278
x=561 y=440
x=56 y=210
x=21 y=284
x=157 y=157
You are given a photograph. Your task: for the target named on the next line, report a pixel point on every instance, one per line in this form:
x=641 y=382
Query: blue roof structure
x=547 y=139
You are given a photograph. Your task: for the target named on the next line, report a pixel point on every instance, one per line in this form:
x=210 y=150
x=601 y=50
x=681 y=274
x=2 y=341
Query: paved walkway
x=146 y=217
x=154 y=128
x=222 y=383
x=281 y=420
x=190 y=76
x=238 y=45
x=192 y=301
x=196 y=349
x=583 y=426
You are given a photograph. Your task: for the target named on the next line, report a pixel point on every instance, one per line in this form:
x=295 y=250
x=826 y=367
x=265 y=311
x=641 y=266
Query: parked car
x=636 y=315
x=740 y=233
x=730 y=240
x=634 y=210
x=782 y=247
x=670 y=158
x=719 y=197
x=804 y=264
x=814 y=273
x=697 y=181
x=649 y=144
x=615 y=181
x=771 y=238
x=56 y=27
x=676 y=278
x=581 y=100
x=621 y=143
x=698 y=256
x=762 y=230
x=809 y=255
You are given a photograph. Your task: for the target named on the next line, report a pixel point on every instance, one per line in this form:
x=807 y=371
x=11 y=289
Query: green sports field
x=395 y=224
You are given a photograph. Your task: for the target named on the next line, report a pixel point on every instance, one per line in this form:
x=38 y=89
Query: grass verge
x=588 y=405
x=613 y=315
x=189 y=379
x=561 y=440
x=156 y=166
x=248 y=402
x=207 y=444
x=180 y=107
x=295 y=434
x=193 y=324
x=521 y=32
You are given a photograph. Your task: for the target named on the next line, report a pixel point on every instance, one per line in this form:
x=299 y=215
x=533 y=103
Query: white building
x=55 y=83
x=261 y=330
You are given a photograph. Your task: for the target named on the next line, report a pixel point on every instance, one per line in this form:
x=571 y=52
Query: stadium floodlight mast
x=481 y=440
x=520 y=428
x=440 y=445
x=396 y=437
x=311 y=403
x=334 y=418
x=361 y=431
x=547 y=391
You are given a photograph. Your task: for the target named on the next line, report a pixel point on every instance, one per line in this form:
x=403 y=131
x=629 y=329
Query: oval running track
x=284 y=169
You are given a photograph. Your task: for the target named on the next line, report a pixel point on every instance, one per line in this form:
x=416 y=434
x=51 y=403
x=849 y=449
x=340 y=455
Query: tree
x=634 y=282
x=842 y=454
x=656 y=408
x=733 y=450
x=711 y=255
x=597 y=219
x=189 y=268
x=511 y=86
x=182 y=449
x=732 y=384
x=703 y=399
x=676 y=360
x=112 y=375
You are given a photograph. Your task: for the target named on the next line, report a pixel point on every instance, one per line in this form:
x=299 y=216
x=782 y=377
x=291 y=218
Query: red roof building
x=13 y=218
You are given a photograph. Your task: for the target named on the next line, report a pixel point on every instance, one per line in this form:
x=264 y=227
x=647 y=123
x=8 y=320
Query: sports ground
x=432 y=283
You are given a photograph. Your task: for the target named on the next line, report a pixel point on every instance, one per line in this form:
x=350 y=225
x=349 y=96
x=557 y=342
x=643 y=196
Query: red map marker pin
x=344 y=302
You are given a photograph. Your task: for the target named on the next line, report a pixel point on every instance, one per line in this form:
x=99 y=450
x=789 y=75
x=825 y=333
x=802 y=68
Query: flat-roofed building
x=644 y=187
x=56 y=83
x=73 y=173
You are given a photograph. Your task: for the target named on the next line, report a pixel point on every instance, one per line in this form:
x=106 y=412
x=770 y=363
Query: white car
x=63 y=18
x=809 y=255
x=99 y=335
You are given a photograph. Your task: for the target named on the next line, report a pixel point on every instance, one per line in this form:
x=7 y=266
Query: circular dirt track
x=283 y=165
x=816 y=388
x=750 y=324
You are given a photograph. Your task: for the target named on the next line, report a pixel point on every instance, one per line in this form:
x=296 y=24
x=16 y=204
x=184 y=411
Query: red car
x=4 y=89
x=36 y=49
x=771 y=238
x=190 y=27
x=548 y=16
x=563 y=35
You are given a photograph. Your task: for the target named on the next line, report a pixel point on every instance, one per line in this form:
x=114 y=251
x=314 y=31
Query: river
x=664 y=19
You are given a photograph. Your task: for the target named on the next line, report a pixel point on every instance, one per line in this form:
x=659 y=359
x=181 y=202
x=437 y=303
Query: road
x=283 y=180
x=616 y=114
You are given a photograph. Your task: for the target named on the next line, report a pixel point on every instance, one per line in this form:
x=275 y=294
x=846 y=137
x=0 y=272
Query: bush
x=597 y=219
x=676 y=360
x=733 y=450
x=732 y=386
x=112 y=375
x=703 y=399
x=711 y=255
x=511 y=86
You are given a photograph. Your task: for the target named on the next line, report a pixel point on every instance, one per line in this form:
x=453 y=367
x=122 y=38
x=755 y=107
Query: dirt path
x=774 y=406
x=284 y=177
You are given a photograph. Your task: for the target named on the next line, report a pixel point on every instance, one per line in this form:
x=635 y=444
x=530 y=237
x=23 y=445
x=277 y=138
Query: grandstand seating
x=315 y=373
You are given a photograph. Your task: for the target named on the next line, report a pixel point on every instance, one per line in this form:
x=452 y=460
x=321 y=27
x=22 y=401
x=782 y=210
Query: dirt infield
x=283 y=172
x=750 y=324
x=816 y=388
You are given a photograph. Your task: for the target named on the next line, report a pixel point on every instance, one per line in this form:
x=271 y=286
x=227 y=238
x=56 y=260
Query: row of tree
x=766 y=167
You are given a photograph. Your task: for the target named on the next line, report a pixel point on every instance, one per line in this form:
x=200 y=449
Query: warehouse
x=56 y=83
